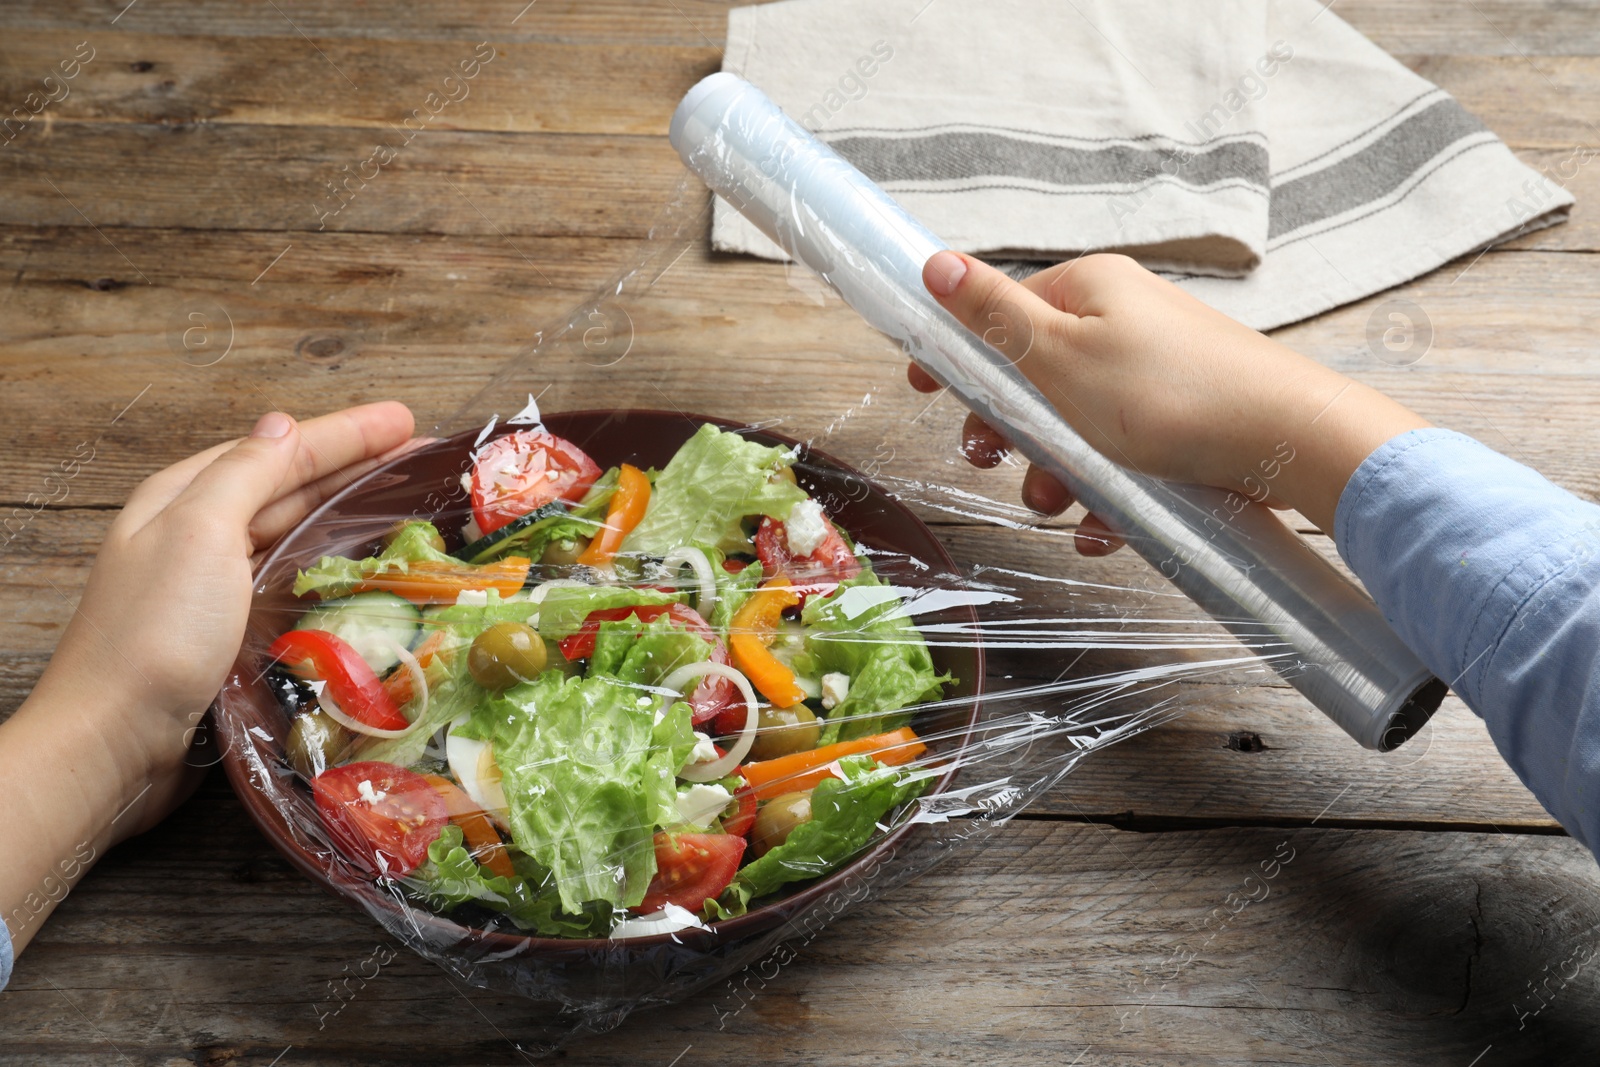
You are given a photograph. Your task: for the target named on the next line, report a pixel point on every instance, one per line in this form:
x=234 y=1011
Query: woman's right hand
x=1163 y=384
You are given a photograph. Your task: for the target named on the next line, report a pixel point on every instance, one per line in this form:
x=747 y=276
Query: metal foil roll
x=1246 y=569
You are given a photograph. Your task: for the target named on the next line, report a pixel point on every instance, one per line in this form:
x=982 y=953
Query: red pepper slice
x=739 y=825
x=320 y=655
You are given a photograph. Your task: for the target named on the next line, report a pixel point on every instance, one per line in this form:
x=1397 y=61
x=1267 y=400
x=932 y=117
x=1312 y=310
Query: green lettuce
x=862 y=631
x=451 y=877
x=733 y=589
x=588 y=774
x=845 y=812
x=715 y=480
x=336 y=576
x=564 y=607
x=644 y=653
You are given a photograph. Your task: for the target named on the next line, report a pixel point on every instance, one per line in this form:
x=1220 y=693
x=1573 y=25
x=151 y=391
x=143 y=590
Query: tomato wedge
x=691 y=869
x=521 y=472
x=739 y=825
x=320 y=655
x=817 y=574
x=387 y=826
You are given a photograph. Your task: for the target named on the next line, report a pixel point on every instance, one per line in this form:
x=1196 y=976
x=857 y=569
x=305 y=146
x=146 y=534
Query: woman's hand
x=97 y=751
x=1163 y=384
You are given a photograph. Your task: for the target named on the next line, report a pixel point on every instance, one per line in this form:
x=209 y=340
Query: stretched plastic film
x=600 y=700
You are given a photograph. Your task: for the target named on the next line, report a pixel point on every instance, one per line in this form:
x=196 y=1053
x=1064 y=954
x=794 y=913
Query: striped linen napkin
x=1261 y=153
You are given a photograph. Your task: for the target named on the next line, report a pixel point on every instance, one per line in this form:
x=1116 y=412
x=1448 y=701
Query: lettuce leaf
x=733 y=589
x=862 y=631
x=564 y=607
x=336 y=576
x=452 y=878
x=586 y=779
x=715 y=480
x=644 y=653
x=844 y=815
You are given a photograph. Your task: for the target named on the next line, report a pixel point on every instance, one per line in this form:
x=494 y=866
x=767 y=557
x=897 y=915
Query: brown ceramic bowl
x=592 y=973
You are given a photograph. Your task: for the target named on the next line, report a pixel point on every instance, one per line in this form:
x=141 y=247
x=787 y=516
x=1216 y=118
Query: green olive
x=785 y=474
x=785 y=731
x=564 y=553
x=434 y=540
x=628 y=568
x=777 y=820
x=315 y=741
x=505 y=654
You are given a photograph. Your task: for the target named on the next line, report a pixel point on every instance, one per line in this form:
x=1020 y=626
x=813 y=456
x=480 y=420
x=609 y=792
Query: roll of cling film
x=1238 y=562
x=461 y=618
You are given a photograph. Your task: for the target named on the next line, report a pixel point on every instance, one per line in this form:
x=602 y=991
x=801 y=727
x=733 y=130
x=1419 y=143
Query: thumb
x=247 y=477
x=1007 y=316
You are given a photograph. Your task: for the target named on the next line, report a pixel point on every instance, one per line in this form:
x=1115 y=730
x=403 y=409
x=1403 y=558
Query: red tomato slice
x=739 y=825
x=691 y=869
x=815 y=575
x=389 y=829
x=522 y=472
x=715 y=698
x=351 y=682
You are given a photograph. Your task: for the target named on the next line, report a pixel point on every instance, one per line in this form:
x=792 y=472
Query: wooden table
x=184 y=175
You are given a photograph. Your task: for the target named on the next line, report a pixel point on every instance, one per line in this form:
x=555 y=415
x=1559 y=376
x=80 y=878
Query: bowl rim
x=367 y=896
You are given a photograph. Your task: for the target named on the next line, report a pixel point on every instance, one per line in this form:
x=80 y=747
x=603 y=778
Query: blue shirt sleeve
x=1489 y=573
x=5 y=955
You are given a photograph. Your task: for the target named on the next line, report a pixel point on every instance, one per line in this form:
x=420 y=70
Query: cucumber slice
x=371 y=623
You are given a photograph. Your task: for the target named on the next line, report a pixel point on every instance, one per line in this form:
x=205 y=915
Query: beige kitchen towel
x=1262 y=153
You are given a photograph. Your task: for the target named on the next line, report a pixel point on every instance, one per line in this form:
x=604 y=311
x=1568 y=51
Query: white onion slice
x=696 y=559
x=669 y=920
x=723 y=766
x=337 y=714
x=419 y=679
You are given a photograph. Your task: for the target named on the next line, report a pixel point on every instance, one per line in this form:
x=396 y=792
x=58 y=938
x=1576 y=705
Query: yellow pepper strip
x=752 y=630
x=622 y=515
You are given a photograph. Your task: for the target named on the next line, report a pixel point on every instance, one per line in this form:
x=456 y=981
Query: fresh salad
x=635 y=701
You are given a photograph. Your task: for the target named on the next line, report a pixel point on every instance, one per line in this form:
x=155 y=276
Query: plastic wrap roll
x=1246 y=569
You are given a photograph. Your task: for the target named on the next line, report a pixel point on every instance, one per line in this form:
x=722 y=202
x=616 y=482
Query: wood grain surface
x=172 y=268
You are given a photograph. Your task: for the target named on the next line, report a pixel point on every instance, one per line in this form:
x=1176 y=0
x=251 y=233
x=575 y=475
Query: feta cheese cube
x=835 y=687
x=805 y=527
x=476 y=598
x=699 y=804
x=704 y=751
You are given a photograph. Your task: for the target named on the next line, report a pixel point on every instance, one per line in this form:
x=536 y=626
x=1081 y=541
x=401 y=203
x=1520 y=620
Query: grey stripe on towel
x=954 y=155
x=1372 y=173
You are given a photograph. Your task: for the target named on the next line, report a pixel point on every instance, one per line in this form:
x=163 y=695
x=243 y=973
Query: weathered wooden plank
x=1492 y=28
x=538 y=86
x=206 y=176
x=346 y=317
x=691 y=23
x=1046 y=941
x=170 y=80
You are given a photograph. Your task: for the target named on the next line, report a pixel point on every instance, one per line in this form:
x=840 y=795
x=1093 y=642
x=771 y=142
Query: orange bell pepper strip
x=622 y=515
x=483 y=841
x=751 y=631
x=399 y=685
x=433 y=582
x=803 y=770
